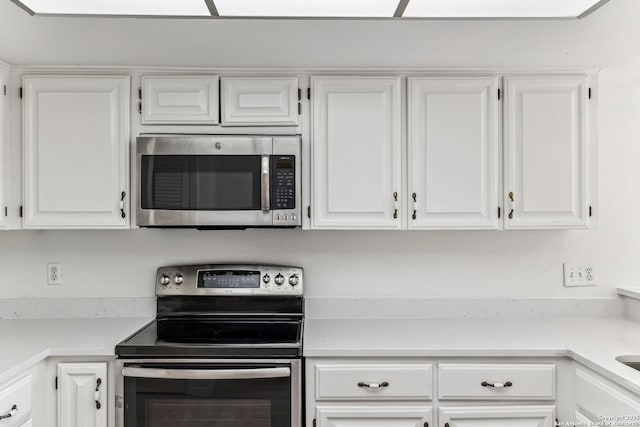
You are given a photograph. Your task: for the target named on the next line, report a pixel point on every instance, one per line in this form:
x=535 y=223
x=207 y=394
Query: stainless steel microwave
x=218 y=181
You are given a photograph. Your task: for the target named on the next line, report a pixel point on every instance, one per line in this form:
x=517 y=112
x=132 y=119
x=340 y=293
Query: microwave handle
x=264 y=197
x=206 y=374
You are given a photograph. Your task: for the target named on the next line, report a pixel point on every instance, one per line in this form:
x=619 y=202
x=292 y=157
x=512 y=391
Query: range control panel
x=229 y=279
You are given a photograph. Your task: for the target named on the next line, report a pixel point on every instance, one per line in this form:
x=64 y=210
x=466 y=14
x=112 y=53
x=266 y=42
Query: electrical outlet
x=54 y=273
x=579 y=274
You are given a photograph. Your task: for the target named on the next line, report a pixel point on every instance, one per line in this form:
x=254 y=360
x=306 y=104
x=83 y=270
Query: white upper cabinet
x=259 y=101
x=82 y=394
x=76 y=130
x=180 y=100
x=453 y=152
x=356 y=152
x=546 y=138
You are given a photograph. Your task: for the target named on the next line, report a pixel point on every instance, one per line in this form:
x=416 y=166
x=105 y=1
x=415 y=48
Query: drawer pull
x=11 y=413
x=496 y=385
x=373 y=385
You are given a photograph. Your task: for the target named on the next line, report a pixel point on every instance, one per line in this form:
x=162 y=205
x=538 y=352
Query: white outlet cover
x=54 y=273
x=579 y=274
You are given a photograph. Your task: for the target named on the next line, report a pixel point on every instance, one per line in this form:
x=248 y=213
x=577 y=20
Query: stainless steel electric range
x=224 y=350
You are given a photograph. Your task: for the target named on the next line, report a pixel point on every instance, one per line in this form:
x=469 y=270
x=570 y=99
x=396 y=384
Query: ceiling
x=379 y=9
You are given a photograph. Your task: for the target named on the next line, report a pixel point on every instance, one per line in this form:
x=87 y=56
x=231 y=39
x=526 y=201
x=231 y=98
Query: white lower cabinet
x=598 y=399
x=377 y=416
x=82 y=394
x=404 y=392
x=497 y=416
x=15 y=402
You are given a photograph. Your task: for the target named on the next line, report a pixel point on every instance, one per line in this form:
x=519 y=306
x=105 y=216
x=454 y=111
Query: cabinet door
x=75 y=152
x=373 y=416
x=497 y=416
x=82 y=394
x=180 y=100
x=259 y=101
x=356 y=148
x=4 y=138
x=453 y=152
x=546 y=132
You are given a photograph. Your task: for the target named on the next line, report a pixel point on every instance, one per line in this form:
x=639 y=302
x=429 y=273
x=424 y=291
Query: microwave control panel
x=283 y=189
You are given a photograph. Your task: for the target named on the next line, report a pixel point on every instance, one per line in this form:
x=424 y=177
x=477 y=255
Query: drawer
x=18 y=394
x=374 y=381
x=458 y=381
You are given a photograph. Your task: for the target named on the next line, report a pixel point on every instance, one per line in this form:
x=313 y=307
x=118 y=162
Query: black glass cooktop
x=214 y=337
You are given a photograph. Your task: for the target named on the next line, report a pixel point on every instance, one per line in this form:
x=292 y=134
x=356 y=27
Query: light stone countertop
x=593 y=342
x=25 y=342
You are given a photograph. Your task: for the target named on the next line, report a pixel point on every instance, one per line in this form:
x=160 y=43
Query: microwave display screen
x=200 y=182
x=285 y=163
x=228 y=279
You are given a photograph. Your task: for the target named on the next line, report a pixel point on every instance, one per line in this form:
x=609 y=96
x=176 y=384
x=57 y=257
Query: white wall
x=431 y=264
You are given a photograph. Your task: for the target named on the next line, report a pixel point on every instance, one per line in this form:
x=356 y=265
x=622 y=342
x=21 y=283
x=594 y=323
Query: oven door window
x=207 y=402
x=215 y=183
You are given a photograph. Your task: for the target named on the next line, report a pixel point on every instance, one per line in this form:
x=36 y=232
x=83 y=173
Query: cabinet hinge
x=314 y=422
x=309 y=211
x=4 y=90
x=499 y=212
x=6 y=211
x=56 y=383
x=299 y=94
x=590 y=211
x=20 y=211
x=299 y=108
x=140 y=93
x=21 y=93
x=140 y=107
x=499 y=94
x=589 y=93
x=309 y=94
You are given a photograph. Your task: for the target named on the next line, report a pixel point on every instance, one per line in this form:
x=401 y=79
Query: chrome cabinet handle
x=415 y=205
x=395 y=205
x=214 y=374
x=373 y=385
x=497 y=385
x=122 y=212
x=264 y=196
x=11 y=413
x=97 y=393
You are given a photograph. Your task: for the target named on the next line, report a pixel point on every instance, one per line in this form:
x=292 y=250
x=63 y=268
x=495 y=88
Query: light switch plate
x=579 y=274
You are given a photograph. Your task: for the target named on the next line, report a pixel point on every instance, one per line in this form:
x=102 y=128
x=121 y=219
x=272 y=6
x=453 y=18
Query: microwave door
x=204 y=190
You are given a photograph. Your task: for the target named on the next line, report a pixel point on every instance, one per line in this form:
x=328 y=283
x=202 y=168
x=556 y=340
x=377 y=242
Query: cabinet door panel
x=356 y=152
x=259 y=101
x=75 y=151
x=546 y=152
x=4 y=142
x=453 y=152
x=378 y=416
x=498 y=416
x=81 y=386
x=180 y=100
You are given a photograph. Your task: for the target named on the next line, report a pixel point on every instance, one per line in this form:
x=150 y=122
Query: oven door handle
x=206 y=374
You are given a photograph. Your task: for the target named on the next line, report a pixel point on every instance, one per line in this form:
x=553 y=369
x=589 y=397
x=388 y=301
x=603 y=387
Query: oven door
x=204 y=181
x=197 y=394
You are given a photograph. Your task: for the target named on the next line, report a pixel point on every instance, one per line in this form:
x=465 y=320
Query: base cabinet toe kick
x=462 y=392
